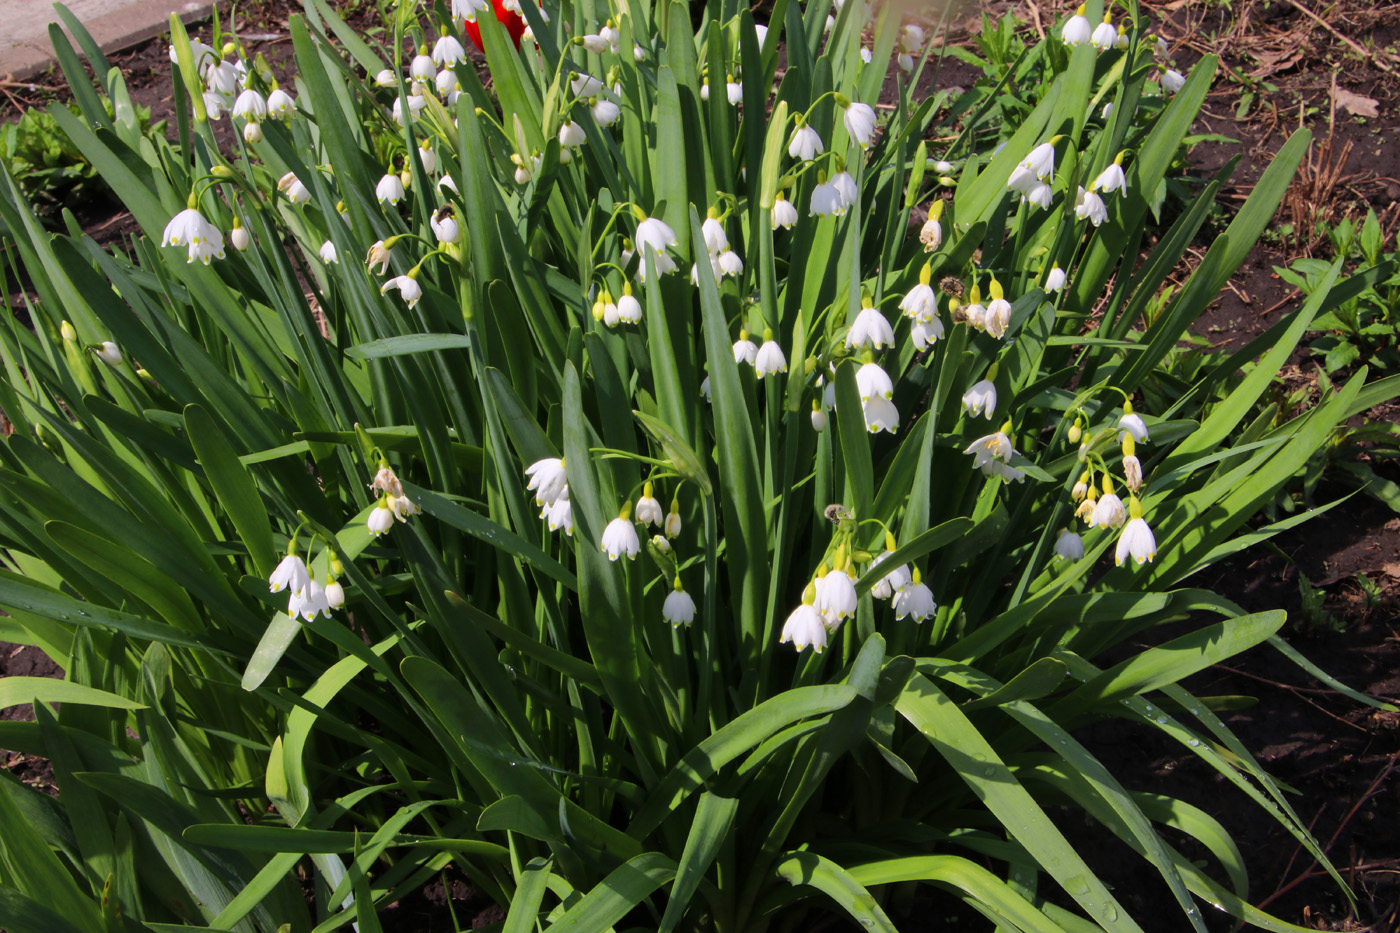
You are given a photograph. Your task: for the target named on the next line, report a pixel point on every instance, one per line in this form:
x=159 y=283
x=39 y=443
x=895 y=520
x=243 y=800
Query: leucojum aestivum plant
x=669 y=495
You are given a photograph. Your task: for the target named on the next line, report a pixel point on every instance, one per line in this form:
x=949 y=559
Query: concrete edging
x=25 y=49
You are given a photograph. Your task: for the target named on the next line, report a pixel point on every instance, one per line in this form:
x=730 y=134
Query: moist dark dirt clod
x=1333 y=68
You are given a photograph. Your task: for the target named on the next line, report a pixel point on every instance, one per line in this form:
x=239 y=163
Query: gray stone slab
x=25 y=49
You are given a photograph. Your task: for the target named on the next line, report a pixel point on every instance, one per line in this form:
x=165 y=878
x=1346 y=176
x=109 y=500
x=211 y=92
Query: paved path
x=25 y=49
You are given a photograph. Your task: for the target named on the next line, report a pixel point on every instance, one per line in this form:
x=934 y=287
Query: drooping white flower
x=926 y=333
x=1132 y=423
x=713 y=231
x=870 y=329
x=784 y=214
x=827 y=201
x=447 y=85
x=998 y=314
x=729 y=263
x=921 y=304
x=1173 y=81
x=894 y=581
x=655 y=235
x=422 y=68
x=1111 y=179
x=860 y=122
x=873 y=381
x=836 y=597
x=845 y=186
x=385 y=78
x=572 y=135
x=679 y=608
x=995 y=446
x=1040 y=161
x=215 y=104
x=222 y=78
x=280 y=104
x=648 y=510
x=547 y=479
x=1090 y=205
x=1077 y=29
x=610 y=34
x=378 y=255
x=1136 y=540
x=586 y=86
x=1069 y=546
x=444 y=225
x=629 y=309
x=189 y=228
x=381 y=518
x=467 y=9
x=620 y=537
x=733 y=91
x=311 y=603
x=559 y=514
x=1022 y=179
x=335 y=595
x=673 y=520
x=769 y=359
x=1055 y=280
x=805 y=144
x=416 y=102
x=911 y=38
x=204 y=55
x=605 y=112
x=239 y=237
x=290 y=574
x=745 y=350
x=1109 y=512
x=866 y=55
x=447 y=51
x=1105 y=35
x=880 y=415
x=914 y=600
x=819 y=418
x=981 y=398
x=428 y=156
x=390 y=189
x=805 y=627
x=408 y=288
x=110 y=353
x=1041 y=196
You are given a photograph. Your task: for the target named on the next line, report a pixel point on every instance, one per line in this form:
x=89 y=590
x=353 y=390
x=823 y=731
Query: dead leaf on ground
x=1391 y=569
x=1355 y=103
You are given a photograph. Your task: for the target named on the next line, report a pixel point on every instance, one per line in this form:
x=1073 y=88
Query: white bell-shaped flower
x=281 y=105
x=769 y=359
x=805 y=144
x=548 y=479
x=784 y=214
x=1078 y=30
x=620 y=537
x=191 y=229
x=407 y=286
x=981 y=399
x=390 y=189
x=860 y=122
x=870 y=329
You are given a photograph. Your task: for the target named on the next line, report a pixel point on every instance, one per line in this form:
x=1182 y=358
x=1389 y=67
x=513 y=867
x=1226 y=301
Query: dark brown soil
x=1339 y=755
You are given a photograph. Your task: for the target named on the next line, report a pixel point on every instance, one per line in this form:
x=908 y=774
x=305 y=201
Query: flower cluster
x=307 y=596
x=1099 y=506
x=393 y=504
